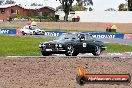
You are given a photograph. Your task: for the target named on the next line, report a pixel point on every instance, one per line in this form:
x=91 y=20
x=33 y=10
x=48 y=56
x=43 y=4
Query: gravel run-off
x=57 y=72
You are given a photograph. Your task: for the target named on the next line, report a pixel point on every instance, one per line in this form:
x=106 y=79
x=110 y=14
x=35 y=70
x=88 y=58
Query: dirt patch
x=58 y=72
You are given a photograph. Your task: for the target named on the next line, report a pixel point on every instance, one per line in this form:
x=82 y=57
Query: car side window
x=30 y=27
x=26 y=27
x=88 y=37
x=33 y=27
x=81 y=37
x=73 y=38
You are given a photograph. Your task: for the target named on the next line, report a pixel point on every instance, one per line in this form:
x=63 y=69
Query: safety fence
x=58 y=33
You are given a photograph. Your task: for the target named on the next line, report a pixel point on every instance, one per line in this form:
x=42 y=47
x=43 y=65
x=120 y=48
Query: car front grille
x=50 y=46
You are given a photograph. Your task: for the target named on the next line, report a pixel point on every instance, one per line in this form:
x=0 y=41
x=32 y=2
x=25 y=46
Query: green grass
x=14 y=46
x=118 y=48
x=10 y=27
x=27 y=46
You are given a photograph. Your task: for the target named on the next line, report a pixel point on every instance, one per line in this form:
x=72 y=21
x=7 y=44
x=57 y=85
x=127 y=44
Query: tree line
x=67 y=5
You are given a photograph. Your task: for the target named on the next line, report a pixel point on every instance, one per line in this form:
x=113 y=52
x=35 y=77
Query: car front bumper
x=52 y=49
x=103 y=48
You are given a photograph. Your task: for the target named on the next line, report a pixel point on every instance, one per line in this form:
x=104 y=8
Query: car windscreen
x=67 y=37
x=33 y=27
x=89 y=37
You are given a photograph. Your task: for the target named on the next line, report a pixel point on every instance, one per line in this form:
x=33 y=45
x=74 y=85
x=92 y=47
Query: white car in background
x=32 y=29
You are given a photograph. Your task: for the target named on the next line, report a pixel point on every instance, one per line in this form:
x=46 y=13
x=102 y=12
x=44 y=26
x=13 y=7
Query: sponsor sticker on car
x=48 y=49
x=84 y=44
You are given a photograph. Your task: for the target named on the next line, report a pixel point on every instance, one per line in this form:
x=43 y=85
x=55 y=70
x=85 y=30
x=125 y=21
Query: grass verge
x=23 y=46
x=27 y=46
x=9 y=27
x=118 y=48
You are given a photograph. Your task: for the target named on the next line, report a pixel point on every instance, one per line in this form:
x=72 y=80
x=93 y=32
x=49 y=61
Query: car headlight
x=56 y=45
x=60 y=45
x=43 y=45
x=39 y=45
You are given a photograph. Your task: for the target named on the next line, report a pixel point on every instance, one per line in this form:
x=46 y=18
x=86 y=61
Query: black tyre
x=97 y=51
x=75 y=53
x=43 y=32
x=23 y=33
x=81 y=80
x=34 y=33
x=70 y=51
x=45 y=53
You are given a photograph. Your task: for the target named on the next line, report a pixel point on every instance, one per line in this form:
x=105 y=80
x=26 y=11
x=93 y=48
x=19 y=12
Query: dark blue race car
x=72 y=45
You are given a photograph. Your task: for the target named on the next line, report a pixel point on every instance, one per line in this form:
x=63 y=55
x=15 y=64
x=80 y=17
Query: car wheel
x=97 y=51
x=34 y=33
x=43 y=32
x=69 y=50
x=45 y=54
x=23 y=33
x=75 y=54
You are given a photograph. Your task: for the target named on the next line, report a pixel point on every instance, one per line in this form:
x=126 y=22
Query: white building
x=61 y=14
x=99 y=16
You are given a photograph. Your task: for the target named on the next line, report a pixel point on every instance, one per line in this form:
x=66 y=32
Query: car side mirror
x=81 y=38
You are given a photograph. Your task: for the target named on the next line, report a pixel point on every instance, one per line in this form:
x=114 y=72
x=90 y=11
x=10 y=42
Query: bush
x=36 y=17
x=48 y=17
x=27 y=18
x=17 y=16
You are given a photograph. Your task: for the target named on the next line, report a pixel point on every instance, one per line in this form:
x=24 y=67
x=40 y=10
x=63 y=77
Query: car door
x=81 y=45
x=26 y=29
x=90 y=43
x=30 y=29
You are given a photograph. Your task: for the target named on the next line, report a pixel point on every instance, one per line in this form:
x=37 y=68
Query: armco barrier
x=54 y=33
x=7 y=31
x=107 y=35
x=95 y=35
x=58 y=33
x=17 y=31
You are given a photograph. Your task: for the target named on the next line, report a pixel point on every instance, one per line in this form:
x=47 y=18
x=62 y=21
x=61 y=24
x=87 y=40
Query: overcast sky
x=99 y=5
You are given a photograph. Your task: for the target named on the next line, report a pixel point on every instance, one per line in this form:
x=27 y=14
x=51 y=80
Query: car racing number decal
x=84 y=44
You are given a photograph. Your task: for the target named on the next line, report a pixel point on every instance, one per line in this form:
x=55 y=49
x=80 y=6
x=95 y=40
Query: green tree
x=129 y=5
x=67 y=5
x=78 y=7
x=122 y=7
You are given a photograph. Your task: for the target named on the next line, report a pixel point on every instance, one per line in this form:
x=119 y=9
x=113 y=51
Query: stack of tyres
x=112 y=28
